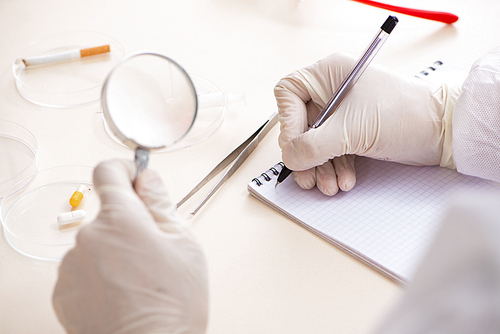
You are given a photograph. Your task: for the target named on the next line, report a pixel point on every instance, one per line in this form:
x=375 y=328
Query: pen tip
x=277 y=182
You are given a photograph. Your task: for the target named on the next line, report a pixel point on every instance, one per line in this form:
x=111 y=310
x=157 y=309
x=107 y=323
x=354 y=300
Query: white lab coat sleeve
x=457 y=286
x=476 y=120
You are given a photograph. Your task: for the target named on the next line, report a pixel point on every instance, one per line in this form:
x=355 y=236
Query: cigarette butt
x=67 y=55
x=94 y=51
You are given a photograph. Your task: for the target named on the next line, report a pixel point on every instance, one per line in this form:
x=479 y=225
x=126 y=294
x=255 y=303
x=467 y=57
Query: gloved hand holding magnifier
x=149 y=102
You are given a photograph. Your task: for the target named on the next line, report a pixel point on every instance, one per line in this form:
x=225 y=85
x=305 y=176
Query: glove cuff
x=447 y=152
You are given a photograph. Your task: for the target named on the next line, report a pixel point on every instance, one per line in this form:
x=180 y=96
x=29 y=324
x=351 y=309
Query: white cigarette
x=68 y=55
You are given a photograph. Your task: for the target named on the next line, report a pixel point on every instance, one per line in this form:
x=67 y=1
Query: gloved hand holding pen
x=137 y=268
x=386 y=116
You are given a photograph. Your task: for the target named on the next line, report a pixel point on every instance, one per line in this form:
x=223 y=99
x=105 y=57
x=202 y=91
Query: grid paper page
x=386 y=220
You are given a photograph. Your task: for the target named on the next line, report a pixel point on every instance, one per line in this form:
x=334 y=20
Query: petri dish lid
x=18 y=156
x=66 y=83
x=207 y=121
x=29 y=216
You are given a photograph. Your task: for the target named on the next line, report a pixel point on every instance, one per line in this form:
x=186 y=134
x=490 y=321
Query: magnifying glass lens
x=151 y=101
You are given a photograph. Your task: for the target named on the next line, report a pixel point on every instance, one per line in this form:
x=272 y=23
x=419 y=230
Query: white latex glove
x=136 y=268
x=385 y=116
x=457 y=287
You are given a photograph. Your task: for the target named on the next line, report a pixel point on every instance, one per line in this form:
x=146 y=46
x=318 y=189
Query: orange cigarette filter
x=94 y=51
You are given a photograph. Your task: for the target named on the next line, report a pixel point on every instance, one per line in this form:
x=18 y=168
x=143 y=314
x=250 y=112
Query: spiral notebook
x=386 y=221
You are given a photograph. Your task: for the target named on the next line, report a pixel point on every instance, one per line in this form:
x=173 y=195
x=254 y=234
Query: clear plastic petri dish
x=29 y=216
x=19 y=156
x=65 y=83
x=208 y=119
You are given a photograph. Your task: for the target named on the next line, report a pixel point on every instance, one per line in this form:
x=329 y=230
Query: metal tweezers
x=237 y=157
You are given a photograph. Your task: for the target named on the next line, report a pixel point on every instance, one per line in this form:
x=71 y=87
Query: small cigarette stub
x=94 y=51
x=67 y=55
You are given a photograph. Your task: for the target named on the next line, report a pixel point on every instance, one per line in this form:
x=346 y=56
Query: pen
x=67 y=55
x=349 y=81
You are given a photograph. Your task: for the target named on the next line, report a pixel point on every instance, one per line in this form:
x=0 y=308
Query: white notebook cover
x=387 y=220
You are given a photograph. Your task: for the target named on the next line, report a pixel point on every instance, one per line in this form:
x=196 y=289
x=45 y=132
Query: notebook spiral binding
x=267 y=176
x=430 y=69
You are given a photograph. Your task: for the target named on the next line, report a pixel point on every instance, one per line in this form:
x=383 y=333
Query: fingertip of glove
x=285 y=87
x=279 y=87
x=330 y=189
x=120 y=167
x=305 y=179
x=149 y=180
x=346 y=184
x=149 y=174
x=152 y=191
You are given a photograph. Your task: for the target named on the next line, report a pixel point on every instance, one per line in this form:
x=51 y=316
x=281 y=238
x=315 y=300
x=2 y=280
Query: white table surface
x=267 y=274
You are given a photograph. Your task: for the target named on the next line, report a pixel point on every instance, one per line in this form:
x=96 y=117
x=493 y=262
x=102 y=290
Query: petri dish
x=208 y=119
x=19 y=156
x=67 y=83
x=29 y=216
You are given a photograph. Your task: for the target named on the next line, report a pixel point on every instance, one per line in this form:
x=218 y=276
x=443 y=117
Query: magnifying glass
x=149 y=102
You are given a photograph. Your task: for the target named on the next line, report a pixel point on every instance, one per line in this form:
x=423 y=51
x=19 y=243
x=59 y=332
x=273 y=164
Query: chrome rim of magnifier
x=141 y=152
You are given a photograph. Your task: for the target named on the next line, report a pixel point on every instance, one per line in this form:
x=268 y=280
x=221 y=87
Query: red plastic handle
x=424 y=14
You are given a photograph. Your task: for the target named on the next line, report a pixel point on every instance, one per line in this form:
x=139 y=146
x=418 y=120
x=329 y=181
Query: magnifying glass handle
x=141 y=159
